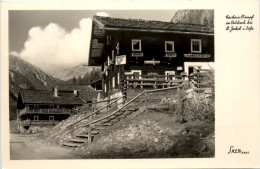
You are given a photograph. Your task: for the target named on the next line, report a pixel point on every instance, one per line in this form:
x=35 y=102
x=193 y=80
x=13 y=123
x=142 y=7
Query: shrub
x=199 y=110
x=202 y=109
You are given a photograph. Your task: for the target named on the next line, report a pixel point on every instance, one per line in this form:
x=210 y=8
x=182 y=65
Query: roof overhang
x=102 y=26
x=159 y=31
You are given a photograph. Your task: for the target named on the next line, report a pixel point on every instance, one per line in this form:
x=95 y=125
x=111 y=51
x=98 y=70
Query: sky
x=50 y=39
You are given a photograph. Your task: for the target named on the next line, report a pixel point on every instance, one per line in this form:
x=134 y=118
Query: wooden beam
x=89 y=134
x=159 y=31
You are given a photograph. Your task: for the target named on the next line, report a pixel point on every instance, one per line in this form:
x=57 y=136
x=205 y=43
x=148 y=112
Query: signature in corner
x=233 y=150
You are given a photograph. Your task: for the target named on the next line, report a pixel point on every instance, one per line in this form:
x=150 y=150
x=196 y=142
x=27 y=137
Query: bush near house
x=202 y=109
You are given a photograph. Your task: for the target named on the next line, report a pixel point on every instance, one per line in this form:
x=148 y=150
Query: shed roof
x=148 y=25
x=47 y=97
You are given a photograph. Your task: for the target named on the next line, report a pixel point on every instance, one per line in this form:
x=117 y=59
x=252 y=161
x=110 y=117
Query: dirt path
x=23 y=148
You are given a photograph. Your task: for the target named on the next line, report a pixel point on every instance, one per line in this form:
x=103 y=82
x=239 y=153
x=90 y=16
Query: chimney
x=75 y=92
x=55 y=91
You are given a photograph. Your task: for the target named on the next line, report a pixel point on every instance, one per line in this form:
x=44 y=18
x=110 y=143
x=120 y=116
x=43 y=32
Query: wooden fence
x=195 y=81
x=200 y=83
x=155 y=81
x=93 y=114
x=89 y=107
x=145 y=97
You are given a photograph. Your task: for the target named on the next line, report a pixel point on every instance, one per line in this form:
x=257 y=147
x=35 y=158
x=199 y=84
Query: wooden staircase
x=92 y=125
x=98 y=128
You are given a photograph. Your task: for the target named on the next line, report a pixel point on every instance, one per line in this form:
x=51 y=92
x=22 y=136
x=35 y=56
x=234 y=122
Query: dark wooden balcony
x=38 y=122
x=45 y=111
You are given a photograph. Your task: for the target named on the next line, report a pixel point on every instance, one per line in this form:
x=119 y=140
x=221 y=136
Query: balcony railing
x=155 y=81
x=38 y=122
x=45 y=111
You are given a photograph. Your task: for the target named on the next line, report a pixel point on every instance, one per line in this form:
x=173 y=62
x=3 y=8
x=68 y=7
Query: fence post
x=146 y=100
x=94 y=106
x=195 y=95
x=89 y=133
x=107 y=107
x=72 y=131
x=179 y=104
x=155 y=82
x=17 y=118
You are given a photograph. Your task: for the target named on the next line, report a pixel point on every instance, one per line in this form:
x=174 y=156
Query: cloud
x=14 y=53
x=51 y=47
x=102 y=14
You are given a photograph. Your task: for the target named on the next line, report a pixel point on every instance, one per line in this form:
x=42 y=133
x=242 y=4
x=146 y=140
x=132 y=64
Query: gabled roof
x=47 y=97
x=87 y=93
x=109 y=23
x=71 y=87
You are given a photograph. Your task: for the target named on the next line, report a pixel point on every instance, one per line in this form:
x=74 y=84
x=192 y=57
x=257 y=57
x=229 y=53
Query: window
x=51 y=118
x=169 y=75
x=118 y=78
x=31 y=107
x=112 y=67
x=51 y=106
x=136 y=74
x=169 y=46
x=105 y=90
x=190 y=70
x=196 y=45
x=108 y=60
x=36 y=118
x=117 y=48
x=107 y=39
x=113 y=55
x=113 y=82
x=136 y=45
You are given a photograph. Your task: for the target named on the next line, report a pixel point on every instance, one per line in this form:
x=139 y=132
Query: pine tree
x=79 y=81
x=74 y=81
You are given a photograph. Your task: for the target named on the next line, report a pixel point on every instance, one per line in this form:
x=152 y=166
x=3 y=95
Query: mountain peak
x=76 y=71
x=200 y=16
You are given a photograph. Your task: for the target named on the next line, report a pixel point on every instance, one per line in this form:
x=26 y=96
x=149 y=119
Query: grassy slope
x=152 y=134
x=58 y=133
x=147 y=133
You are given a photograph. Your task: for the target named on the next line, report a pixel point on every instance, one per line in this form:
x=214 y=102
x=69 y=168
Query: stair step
x=105 y=120
x=112 y=117
x=122 y=117
x=77 y=140
x=93 y=132
x=115 y=120
x=131 y=109
x=70 y=144
x=106 y=124
x=83 y=136
x=119 y=113
x=100 y=127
